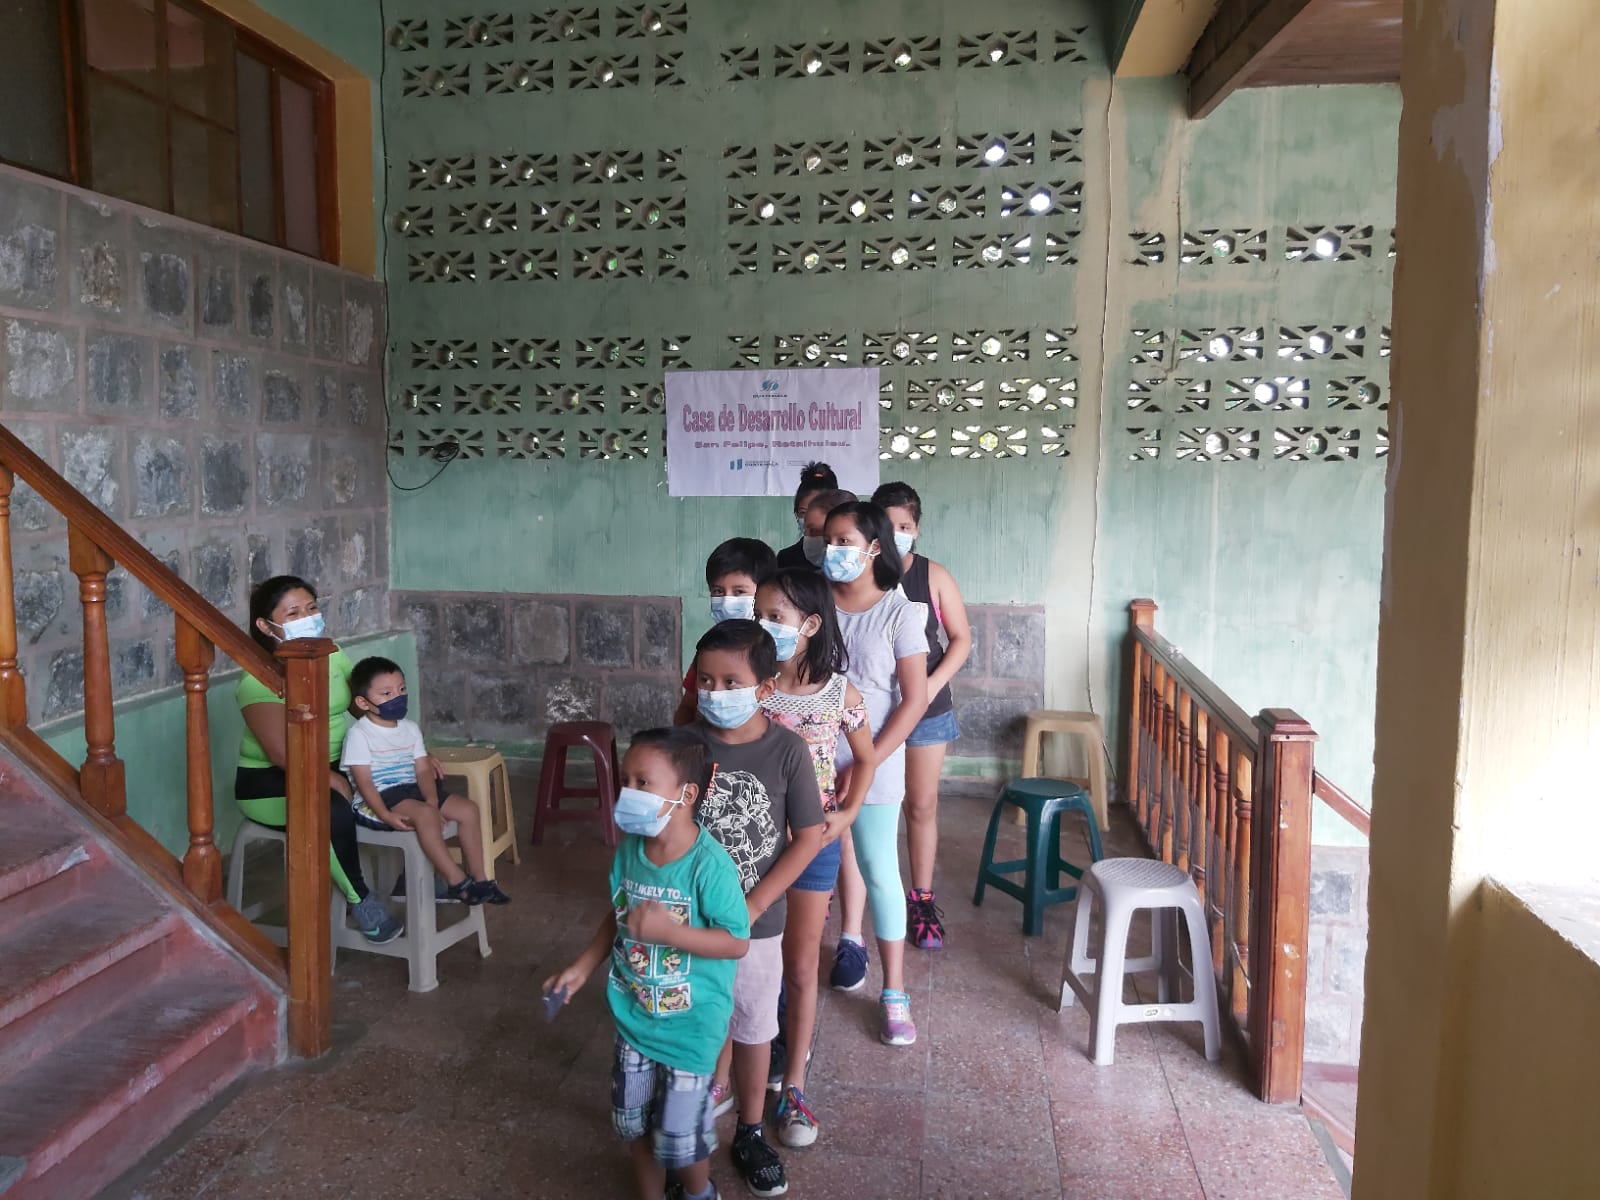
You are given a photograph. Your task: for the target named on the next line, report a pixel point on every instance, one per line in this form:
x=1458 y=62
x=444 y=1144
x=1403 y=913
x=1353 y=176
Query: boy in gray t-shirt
x=763 y=807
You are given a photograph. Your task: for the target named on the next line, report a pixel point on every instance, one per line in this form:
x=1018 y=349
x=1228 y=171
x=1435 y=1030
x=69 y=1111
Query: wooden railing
x=1227 y=797
x=1342 y=803
x=96 y=544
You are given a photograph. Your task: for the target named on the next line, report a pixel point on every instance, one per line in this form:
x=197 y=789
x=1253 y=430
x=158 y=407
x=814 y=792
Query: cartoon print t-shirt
x=759 y=791
x=670 y=1006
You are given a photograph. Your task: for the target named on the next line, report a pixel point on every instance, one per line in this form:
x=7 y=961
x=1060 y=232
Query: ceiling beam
x=1239 y=38
x=1157 y=36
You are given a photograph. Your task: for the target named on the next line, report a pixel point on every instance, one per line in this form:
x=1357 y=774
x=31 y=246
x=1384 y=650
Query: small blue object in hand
x=553 y=1002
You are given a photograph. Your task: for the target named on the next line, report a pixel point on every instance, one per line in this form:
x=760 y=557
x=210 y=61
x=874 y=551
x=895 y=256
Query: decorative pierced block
x=523 y=170
x=1383 y=342
x=1328 y=243
x=739 y=162
x=608 y=262
x=1051 y=440
x=1066 y=145
x=945 y=395
x=567 y=25
x=1009 y=48
x=669 y=165
x=519 y=75
x=441 y=174
x=468 y=442
x=1149 y=249
x=808 y=158
x=614 y=443
x=528 y=354
x=608 y=166
x=468 y=33
x=1381 y=444
x=444 y=354
x=994 y=150
x=744 y=350
x=1070 y=45
x=1141 y=396
x=1280 y=393
x=900 y=153
x=998 y=441
x=578 y=215
x=1060 y=247
x=675 y=353
x=653 y=20
x=666 y=72
x=440 y=266
x=485 y=399
x=1233 y=247
x=436 y=82
x=913 y=443
x=1204 y=445
x=1150 y=346
x=1147 y=444
x=814 y=258
x=1195 y=393
x=413 y=221
x=1236 y=344
x=1304 y=443
x=998 y=346
x=899 y=254
x=1058 y=345
x=741 y=63
x=904 y=54
x=763 y=209
x=602 y=353
x=532 y=444
x=568 y=399
x=639 y=399
x=858 y=205
x=811 y=59
x=427 y=399
x=810 y=350
x=603 y=71
x=1045 y=199
x=998 y=250
x=524 y=266
x=1050 y=394
x=947 y=203
x=900 y=349
x=650 y=212
x=407 y=36
x=743 y=258
x=490 y=216
x=1303 y=343
x=1355 y=392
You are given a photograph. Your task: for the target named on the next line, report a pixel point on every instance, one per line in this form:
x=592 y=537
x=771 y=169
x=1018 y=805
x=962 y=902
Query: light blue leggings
x=876 y=835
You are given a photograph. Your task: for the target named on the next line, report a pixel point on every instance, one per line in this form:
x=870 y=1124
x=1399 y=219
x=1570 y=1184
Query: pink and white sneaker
x=897 y=1027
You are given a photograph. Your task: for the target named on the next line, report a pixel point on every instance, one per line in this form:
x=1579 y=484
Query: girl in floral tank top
x=816 y=701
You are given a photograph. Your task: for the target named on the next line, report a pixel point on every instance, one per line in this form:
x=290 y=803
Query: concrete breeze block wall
x=1002 y=681
x=219 y=398
x=1336 y=954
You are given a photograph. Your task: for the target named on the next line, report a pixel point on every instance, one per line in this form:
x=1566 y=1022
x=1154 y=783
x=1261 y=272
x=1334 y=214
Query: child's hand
x=569 y=981
x=835 y=823
x=647 y=921
x=395 y=821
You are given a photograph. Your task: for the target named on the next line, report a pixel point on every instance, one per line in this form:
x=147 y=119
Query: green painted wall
x=151 y=741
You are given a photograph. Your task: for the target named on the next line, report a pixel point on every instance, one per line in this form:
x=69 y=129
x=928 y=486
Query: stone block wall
x=506 y=666
x=221 y=399
x=1336 y=954
x=1002 y=681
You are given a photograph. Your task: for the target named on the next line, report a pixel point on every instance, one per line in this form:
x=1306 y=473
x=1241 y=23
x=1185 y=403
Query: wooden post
x=1141 y=615
x=202 y=865
x=305 y=662
x=1281 y=885
x=13 y=695
x=102 y=778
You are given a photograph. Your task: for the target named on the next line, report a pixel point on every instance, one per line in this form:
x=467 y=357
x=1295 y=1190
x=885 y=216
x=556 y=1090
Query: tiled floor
x=467 y=1093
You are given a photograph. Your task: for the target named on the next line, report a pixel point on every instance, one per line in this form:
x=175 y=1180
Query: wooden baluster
x=1158 y=770
x=1169 y=788
x=1200 y=850
x=102 y=780
x=1222 y=766
x=1281 y=887
x=202 y=865
x=1182 y=819
x=13 y=694
x=1141 y=615
x=1147 y=743
x=305 y=663
x=1243 y=795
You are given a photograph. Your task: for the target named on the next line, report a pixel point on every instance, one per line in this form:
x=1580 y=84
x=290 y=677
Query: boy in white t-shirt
x=394 y=787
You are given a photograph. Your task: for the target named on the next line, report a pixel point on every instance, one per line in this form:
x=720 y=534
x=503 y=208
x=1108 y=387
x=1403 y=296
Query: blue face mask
x=728 y=710
x=392 y=709
x=903 y=541
x=303 y=627
x=635 y=811
x=785 y=637
x=844 y=564
x=732 y=608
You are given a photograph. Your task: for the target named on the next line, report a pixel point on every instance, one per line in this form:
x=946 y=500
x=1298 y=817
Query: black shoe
x=486 y=891
x=760 y=1165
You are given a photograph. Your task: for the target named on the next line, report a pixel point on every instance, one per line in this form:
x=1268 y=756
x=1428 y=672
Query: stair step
x=36 y=844
x=98 y=1086
x=61 y=946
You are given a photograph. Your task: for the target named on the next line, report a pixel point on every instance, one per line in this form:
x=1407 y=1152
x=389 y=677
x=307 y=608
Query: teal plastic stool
x=1043 y=801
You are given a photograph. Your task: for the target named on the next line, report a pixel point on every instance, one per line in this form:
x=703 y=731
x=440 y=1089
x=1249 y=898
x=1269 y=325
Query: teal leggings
x=876 y=835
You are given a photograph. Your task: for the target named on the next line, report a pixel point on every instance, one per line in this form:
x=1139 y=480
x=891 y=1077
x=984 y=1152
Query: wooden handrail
x=1336 y=798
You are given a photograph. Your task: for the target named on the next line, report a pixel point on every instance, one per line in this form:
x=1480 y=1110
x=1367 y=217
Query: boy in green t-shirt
x=678 y=925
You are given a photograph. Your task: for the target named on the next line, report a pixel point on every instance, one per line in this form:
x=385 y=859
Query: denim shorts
x=822 y=871
x=935 y=731
x=672 y=1108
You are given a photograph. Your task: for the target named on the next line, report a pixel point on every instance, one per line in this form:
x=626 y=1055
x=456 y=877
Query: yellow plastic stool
x=480 y=766
x=1078 y=724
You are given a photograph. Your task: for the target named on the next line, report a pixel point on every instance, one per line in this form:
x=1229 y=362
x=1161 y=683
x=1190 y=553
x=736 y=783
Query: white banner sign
x=748 y=433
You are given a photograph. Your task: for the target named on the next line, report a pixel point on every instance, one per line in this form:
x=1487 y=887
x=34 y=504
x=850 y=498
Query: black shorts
x=392 y=796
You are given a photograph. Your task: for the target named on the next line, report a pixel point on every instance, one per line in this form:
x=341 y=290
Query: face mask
x=814 y=548
x=728 y=710
x=785 y=637
x=903 y=541
x=733 y=608
x=392 y=709
x=303 y=627
x=635 y=811
x=844 y=564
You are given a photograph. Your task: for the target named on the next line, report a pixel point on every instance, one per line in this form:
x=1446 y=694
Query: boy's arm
x=369 y=794
x=426 y=783
x=805 y=832
x=595 y=953
x=649 y=922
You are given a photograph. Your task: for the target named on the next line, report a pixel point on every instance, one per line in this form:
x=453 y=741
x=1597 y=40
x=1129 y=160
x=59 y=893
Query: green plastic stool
x=1043 y=801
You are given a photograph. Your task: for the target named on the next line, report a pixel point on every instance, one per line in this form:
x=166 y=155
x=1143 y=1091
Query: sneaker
x=897 y=1027
x=722 y=1100
x=797 y=1126
x=849 y=966
x=675 y=1191
x=443 y=893
x=375 y=921
x=760 y=1165
x=925 y=920
x=484 y=891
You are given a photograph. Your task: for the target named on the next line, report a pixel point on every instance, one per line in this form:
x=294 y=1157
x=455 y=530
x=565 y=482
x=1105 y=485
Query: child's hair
x=899 y=495
x=814 y=477
x=809 y=592
x=739 y=556
x=682 y=746
x=266 y=597
x=830 y=500
x=367 y=670
x=875 y=526
x=747 y=636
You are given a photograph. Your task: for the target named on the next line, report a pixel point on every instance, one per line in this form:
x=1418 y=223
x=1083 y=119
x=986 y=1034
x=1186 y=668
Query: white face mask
x=903 y=541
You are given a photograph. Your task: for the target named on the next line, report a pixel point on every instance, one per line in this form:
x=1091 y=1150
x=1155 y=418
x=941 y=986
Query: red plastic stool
x=601 y=741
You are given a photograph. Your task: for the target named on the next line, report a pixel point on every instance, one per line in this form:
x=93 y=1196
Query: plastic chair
x=248 y=835
x=601 y=741
x=1083 y=725
x=1041 y=801
x=486 y=776
x=1124 y=886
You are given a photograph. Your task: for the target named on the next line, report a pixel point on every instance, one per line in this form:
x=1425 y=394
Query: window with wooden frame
x=168 y=104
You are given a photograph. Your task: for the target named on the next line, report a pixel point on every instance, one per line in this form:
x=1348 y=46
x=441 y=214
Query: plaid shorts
x=671 y=1107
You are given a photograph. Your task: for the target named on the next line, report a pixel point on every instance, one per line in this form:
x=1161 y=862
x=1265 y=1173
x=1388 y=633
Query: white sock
x=852 y=937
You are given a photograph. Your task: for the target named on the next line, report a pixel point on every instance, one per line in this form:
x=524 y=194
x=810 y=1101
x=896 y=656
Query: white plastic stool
x=423 y=939
x=1084 y=726
x=486 y=776
x=1125 y=885
x=249 y=834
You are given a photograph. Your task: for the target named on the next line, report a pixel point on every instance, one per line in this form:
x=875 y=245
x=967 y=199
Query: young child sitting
x=394 y=786
x=732 y=570
x=677 y=924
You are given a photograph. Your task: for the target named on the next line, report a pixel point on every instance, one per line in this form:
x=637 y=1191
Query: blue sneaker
x=375 y=921
x=849 y=966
